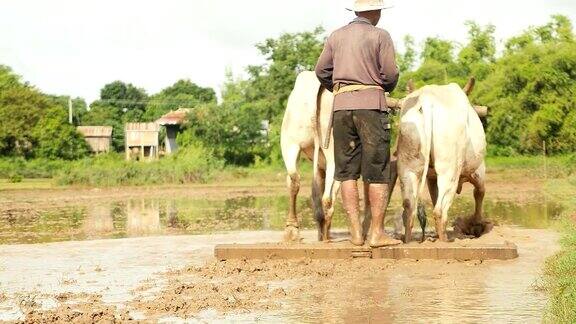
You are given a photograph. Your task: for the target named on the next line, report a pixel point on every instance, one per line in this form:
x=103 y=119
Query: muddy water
x=380 y=291
x=150 y=241
x=440 y=291
x=147 y=217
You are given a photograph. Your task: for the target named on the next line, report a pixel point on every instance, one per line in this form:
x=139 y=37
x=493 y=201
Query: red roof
x=174 y=117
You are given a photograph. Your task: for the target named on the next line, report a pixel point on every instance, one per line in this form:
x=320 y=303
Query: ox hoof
x=324 y=234
x=291 y=234
x=398 y=236
x=472 y=227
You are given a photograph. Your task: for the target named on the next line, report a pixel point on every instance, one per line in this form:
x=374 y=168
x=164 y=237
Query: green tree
x=124 y=96
x=20 y=109
x=271 y=83
x=559 y=29
x=477 y=56
x=119 y=103
x=79 y=107
x=230 y=129
x=233 y=128
x=56 y=139
x=531 y=91
x=407 y=60
x=437 y=65
x=438 y=50
x=182 y=94
x=34 y=125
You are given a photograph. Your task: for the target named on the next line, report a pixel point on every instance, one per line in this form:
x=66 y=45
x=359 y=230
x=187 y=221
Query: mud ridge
x=242 y=286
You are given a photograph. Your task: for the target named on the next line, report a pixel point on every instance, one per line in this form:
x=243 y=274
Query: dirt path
x=166 y=277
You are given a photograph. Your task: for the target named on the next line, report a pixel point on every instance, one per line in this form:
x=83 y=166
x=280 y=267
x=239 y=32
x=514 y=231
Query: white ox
x=304 y=127
x=442 y=143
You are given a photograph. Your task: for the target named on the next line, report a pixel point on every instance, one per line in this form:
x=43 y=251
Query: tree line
x=529 y=86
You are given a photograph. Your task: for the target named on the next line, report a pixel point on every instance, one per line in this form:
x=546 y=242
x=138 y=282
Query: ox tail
x=426 y=150
x=318 y=184
x=318 y=179
x=317 y=92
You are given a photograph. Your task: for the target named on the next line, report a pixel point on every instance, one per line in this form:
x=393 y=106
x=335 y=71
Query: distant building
x=172 y=122
x=98 y=137
x=141 y=140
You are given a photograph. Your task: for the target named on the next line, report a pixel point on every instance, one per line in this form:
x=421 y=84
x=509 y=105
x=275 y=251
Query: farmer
x=358 y=65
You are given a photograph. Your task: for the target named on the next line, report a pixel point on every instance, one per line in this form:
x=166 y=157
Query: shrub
x=190 y=165
x=15 y=178
x=30 y=169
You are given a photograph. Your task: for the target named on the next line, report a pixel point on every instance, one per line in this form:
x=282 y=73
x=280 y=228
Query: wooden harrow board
x=344 y=250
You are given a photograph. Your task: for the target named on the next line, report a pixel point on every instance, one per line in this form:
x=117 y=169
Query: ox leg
x=398 y=219
x=446 y=191
x=409 y=183
x=318 y=187
x=433 y=189
x=475 y=226
x=291 y=155
x=331 y=189
x=432 y=183
x=478 y=180
x=329 y=204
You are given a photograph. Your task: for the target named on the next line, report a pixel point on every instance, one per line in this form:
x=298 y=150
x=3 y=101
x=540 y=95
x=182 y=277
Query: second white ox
x=442 y=144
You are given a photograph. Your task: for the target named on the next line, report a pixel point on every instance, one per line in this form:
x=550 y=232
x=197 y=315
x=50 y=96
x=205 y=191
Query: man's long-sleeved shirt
x=359 y=53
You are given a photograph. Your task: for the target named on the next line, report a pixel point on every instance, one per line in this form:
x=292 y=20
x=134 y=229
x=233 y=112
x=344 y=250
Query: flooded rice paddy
x=126 y=251
x=160 y=216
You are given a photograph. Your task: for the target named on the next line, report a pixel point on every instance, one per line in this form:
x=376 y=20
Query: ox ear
x=469 y=87
x=410 y=86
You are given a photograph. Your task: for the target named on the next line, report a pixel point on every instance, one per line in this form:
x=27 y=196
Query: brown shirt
x=359 y=53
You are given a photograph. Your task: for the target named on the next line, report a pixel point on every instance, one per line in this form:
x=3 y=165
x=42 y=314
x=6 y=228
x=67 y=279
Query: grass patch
x=549 y=167
x=190 y=165
x=560 y=270
x=6 y=184
x=261 y=173
x=19 y=168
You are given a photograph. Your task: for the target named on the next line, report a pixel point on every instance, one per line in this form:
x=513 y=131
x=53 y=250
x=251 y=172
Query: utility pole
x=70 y=110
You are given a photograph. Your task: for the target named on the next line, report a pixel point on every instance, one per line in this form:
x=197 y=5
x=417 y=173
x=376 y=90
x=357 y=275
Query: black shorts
x=362 y=145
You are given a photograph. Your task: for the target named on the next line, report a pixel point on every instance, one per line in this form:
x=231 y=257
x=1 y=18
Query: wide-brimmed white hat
x=369 y=5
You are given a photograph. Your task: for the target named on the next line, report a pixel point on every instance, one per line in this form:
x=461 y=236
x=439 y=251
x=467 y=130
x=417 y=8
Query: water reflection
x=496 y=292
x=98 y=219
x=142 y=217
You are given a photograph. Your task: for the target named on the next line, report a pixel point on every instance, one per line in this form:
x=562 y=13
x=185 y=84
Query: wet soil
x=164 y=278
x=149 y=273
x=363 y=290
x=82 y=309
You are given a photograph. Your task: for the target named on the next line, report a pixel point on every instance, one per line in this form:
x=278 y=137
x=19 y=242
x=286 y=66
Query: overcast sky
x=75 y=47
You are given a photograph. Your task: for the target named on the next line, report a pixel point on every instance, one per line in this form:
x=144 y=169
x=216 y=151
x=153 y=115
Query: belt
x=354 y=87
x=339 y=90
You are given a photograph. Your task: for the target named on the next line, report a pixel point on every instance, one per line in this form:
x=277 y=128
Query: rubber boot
x=378 y=195
x=350 y=201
